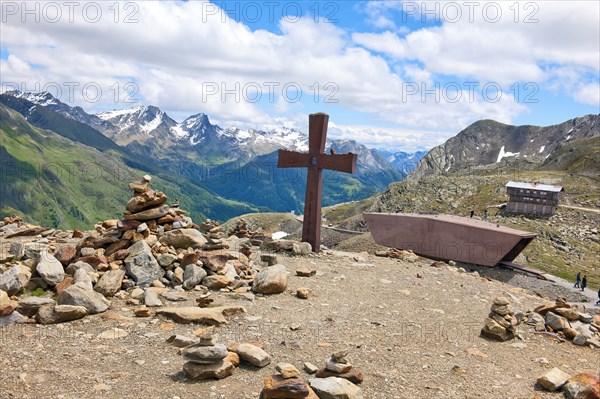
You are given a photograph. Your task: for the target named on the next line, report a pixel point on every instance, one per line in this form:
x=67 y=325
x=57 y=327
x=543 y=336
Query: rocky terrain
x=155 y=305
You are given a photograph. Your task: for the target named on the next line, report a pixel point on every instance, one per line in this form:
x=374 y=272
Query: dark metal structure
x=532 y=198
x=448 y=237
x=315 y=160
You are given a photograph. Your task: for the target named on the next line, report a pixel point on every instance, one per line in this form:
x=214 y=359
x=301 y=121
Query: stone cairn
x=207 y=359
x=339 y=366
x=241 y=230
x=501 y=323
x=567 y=322
x=286 y=383
x=154 y=253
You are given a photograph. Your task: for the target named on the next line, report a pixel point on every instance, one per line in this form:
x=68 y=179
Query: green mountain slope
x=54 y=181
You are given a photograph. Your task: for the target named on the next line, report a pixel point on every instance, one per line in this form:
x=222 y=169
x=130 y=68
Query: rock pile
x=501 y=323
x=567 y=321
x=155 y=252
x=241 y=230
x=207 y=359
x=339 y=366
x=286 y=383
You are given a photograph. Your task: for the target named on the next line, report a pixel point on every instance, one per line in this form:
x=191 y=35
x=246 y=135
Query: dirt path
x=413 y=337
x=579 y=208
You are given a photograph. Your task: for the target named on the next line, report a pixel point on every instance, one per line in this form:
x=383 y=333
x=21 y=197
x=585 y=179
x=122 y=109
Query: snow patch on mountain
x=43 y=98
x=504 y=154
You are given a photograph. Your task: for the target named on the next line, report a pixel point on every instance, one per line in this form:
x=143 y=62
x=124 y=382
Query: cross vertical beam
x=316 y=160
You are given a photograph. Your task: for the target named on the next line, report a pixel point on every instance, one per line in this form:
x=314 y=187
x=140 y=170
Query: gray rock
x=335 y=388
x=183 y=238
x=15 y=279
x=110 y=282
x=253 y=355
x=192 y=276
x=17 y=250
x=52 y=314
x=205 y=354
x=82 y=278
x=87 y=251
x=166 y=259
x=29 y=305
x=181 y=341
x=553 y=380
x=555 y=321
x=76 y=295
x=272 y=280
x=33 y=250
x=141 y=264
x=73 y=267
x=581 y=339
x=50 y=269
x=13 y=318
x=301 y=248
x=151 y=298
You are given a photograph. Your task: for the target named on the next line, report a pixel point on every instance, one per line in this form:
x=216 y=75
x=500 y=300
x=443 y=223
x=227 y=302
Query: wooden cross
x=316 y=160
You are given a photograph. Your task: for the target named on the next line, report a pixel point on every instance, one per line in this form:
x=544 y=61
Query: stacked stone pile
x=568 y=321
x=501 y=323
x=339 y=366
x=286 y=383
x=155 y=245
x=207 y=359
x=241 y=230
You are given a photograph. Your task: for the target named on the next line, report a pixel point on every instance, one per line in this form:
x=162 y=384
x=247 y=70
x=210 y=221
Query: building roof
x=535 y=186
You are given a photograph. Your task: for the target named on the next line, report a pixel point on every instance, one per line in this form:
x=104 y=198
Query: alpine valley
x=83 y=162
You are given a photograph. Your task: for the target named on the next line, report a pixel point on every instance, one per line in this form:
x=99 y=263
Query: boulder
x=556 y=322
x=272 y=280
x=582 y=386
x=146 y=200
x=218 y=370
x=15 y=279
x=253 y=355
x=166 y=259
x=73 y=267
x=191 y=314
x=183 y=238
x=553 y=380
x=50 y=269
x=192 y=276
x=65 y=255
x=83 y=279
x=151 y=298
x=13 y=318
x=52 y=314
x=354 y=376
x=110 y=282
x=335 y=388
x=215 y=281
x=276 y=386
x=141 y=264
x=76 y=295
x=29 y=305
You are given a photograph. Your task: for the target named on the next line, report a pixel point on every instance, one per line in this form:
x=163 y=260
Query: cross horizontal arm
x=340 y=162
x=292 y=159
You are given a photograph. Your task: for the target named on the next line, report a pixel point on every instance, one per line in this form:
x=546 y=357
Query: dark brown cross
x=316 y=160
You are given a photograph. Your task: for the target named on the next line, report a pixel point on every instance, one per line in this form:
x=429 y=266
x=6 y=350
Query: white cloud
x=588 y=94
x=176 y=53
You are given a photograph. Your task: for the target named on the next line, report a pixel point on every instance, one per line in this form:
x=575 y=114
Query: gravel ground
x=412 y=337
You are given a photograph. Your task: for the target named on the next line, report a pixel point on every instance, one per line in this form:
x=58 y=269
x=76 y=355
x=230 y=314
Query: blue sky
x=392 y=74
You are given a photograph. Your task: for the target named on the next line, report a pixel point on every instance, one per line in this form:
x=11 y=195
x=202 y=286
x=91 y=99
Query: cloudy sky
x=392 y=74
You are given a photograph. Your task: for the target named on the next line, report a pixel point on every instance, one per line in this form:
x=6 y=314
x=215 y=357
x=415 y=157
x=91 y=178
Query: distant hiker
x=598 y=303
x=472 y=213
x=577 y=280
x=485 y=215
x=583 y=283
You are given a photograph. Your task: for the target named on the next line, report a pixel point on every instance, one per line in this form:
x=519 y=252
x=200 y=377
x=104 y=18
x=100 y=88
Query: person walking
x=577 y=280
x=598 y=303
x=583 y=283
x=485 y=214
x=472 y=213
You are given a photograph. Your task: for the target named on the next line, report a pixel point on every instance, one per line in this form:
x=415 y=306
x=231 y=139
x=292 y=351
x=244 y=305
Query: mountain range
x=234 y=166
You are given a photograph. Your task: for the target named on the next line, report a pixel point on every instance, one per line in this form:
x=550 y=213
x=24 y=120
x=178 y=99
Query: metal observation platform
x=448 y=237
